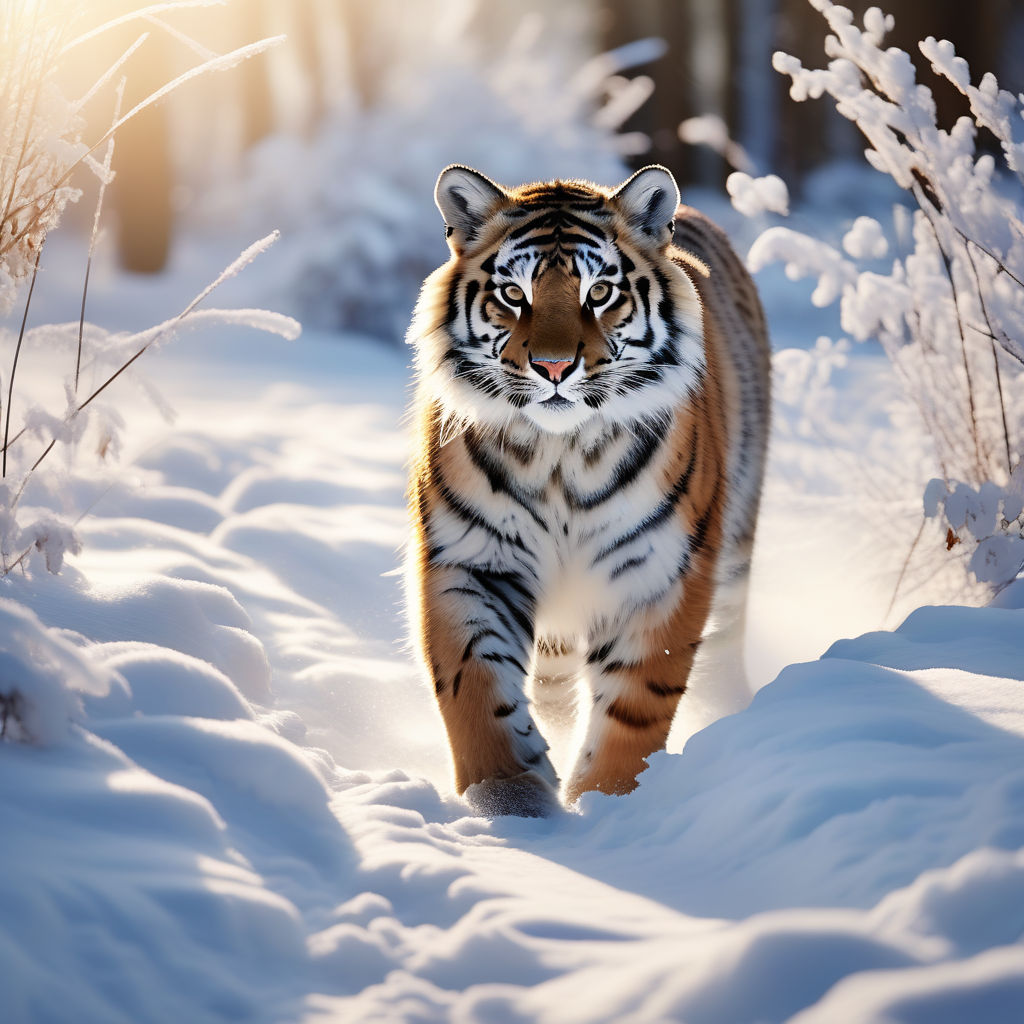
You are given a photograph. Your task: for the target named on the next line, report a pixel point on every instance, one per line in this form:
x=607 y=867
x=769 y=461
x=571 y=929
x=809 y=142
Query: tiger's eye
x=599 y=292
x=512 y=294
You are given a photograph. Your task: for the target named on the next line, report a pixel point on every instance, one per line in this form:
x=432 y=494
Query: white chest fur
x=575 y=517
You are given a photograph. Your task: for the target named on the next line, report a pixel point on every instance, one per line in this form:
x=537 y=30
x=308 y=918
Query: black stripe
x=542 y=221
x=643 y=289
x=503 y=659
x=509 y=589
x=630 y=563
x=627 y=470
x=453 y=301
x=667 y=312
x=661 y=512
x=620 y=300
x=497 y=474
x=611 y=667
x=476 y=638
x=472 y=287
x=522 y=452
x=503 y=620
x=565 y=217
x=635 y=377
x=666 y=356
x=631 y=719
x=593 y=454
x=547 y=216
x=664 y=690
x=462 y=590
x=459 y=507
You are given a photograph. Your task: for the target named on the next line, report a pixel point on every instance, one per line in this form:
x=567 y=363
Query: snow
x=40 y=678
x=865 y=240
x=238 y=804
x=752 y=196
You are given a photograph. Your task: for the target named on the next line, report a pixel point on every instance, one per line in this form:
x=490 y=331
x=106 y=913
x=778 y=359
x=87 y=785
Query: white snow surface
x=236 y=803
x=752 y=196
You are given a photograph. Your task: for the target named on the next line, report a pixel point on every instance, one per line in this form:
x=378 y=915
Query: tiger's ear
x=465 y=198
x=649 y=200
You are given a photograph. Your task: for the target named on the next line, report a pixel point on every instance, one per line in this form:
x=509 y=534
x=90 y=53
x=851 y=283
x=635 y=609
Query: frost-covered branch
x=949 y=307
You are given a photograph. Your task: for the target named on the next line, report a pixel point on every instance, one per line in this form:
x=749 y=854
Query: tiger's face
x=560 y=303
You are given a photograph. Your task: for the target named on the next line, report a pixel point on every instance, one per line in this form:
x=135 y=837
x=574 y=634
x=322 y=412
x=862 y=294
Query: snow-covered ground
x=252 y=818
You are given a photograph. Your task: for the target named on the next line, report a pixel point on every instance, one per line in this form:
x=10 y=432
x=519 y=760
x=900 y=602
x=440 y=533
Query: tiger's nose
x=551 y=369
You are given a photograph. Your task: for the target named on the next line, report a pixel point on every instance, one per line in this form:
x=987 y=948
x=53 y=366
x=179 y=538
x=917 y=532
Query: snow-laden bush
x=41 y=146
x=42 y=676
x=354 y=201
x=949 y=308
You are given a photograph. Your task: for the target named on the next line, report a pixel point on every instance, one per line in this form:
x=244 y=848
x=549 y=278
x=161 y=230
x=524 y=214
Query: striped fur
x=581 y=529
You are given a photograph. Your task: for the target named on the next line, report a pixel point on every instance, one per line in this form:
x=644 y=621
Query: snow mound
x=42 y=678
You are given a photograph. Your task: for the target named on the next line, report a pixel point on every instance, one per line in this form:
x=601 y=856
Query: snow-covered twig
x=261 y=319
x=104 y=177
x=41 y=148
x=951 y=305
x=17 y=353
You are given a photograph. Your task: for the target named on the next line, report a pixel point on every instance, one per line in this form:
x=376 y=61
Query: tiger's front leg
x=637 y=674
x=477 y=636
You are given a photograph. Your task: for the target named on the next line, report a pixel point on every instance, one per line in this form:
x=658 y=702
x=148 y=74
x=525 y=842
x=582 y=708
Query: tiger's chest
x=596 y=528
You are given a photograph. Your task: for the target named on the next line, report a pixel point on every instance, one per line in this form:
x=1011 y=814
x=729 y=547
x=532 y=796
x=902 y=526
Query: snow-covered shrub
x=992 y=515
x=41 y=678
x=802 y=380
x=40 y=148
x=949 y=307
x=354 y=201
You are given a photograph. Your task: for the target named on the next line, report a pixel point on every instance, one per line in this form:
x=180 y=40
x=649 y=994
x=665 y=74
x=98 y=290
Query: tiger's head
x=559 y=303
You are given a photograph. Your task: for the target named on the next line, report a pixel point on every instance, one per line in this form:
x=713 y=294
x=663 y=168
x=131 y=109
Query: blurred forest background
x=336 y=136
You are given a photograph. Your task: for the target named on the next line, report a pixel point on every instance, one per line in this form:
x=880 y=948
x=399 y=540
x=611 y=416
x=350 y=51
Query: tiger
x=591 y=416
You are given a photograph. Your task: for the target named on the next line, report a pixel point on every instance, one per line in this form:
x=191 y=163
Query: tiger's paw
x=527 y=795
x=612 y=784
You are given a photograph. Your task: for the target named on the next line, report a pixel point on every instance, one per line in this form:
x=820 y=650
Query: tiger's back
x=734 y=324
x=592 y=408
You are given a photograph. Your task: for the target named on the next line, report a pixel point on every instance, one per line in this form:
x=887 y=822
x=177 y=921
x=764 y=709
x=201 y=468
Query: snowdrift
x=225 y=794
